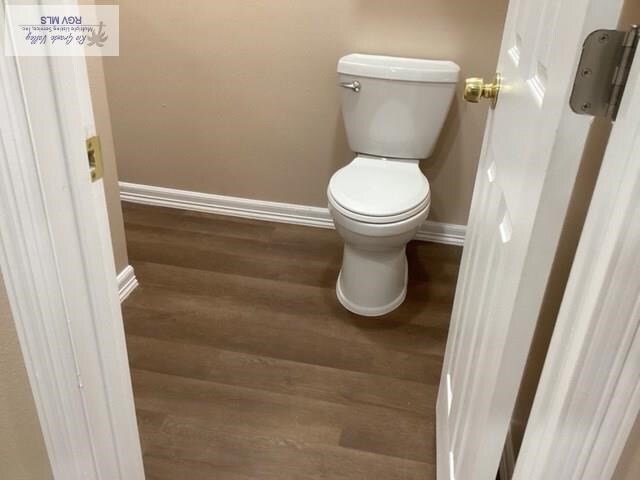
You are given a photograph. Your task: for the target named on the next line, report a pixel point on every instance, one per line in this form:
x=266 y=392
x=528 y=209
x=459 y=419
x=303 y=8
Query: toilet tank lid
x=398 y=68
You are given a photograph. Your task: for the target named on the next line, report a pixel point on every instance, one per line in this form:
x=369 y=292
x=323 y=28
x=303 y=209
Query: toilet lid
x=376 y=187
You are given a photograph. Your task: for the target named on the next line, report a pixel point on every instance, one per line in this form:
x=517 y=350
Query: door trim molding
x=57 y=264
x=127 y=282
x=445 y=233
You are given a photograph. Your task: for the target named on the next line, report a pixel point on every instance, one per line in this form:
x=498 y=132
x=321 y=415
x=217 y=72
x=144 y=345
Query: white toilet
x=393 y=110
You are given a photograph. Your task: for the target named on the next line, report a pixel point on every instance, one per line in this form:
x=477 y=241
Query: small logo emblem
x=97 y=38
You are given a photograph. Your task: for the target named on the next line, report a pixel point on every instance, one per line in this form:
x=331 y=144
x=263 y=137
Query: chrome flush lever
x=355 y=86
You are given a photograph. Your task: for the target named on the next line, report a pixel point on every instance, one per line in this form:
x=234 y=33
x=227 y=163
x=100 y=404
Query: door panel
x=530 y=157
x=588 y=397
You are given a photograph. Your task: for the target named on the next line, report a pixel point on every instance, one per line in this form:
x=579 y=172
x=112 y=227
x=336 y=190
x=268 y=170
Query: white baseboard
x=445 y=233
x=437 y=232
x=127 y=282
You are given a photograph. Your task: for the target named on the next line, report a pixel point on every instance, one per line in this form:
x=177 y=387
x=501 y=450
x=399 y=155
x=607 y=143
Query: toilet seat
x=425 y=205
x=377 y=190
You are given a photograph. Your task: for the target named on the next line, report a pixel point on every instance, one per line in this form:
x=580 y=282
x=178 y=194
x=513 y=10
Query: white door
x=589 y=394
x=531 y=153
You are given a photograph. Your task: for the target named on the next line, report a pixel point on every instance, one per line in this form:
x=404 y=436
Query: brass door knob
x=475 y=89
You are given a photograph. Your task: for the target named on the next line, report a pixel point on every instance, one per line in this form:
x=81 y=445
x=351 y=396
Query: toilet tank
x=395 y=107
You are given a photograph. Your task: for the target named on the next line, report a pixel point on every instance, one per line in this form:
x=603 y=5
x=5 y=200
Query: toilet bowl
x=393 y=109
x=378 y=206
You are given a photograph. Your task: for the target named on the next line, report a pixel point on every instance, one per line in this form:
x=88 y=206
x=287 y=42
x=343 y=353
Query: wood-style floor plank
x=243 y=410
x=279 y=376
x=248 y=333
x=246 y=367
x=230 y=456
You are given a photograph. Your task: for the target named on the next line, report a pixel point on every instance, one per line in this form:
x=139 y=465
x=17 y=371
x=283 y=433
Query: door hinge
x=94 y=155
x=603 y=70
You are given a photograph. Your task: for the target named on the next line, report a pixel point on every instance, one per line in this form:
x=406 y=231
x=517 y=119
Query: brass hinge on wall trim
x=603 y=70
x=94 y=155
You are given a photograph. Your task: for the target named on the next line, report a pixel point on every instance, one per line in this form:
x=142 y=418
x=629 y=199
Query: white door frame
x=56 y=259
x=588 y=397
x=65 y=302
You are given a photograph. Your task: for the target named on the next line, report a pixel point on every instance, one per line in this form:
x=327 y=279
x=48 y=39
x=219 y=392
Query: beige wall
x=239 y=97
x=22 y=451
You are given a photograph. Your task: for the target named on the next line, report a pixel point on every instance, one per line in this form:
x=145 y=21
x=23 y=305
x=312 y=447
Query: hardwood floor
x=246 y=367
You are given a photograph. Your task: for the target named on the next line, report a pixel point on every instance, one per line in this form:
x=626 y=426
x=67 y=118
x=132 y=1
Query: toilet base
x=373 y=310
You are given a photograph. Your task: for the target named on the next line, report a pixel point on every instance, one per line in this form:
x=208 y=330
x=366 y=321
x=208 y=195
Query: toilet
x=393 y=110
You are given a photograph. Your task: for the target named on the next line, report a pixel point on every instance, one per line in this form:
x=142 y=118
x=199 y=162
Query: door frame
x=588 y=398
x=57 y=294
x=57 y=262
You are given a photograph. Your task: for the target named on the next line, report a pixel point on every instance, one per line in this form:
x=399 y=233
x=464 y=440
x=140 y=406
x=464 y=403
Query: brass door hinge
x=94 y=155
x=603 y=70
